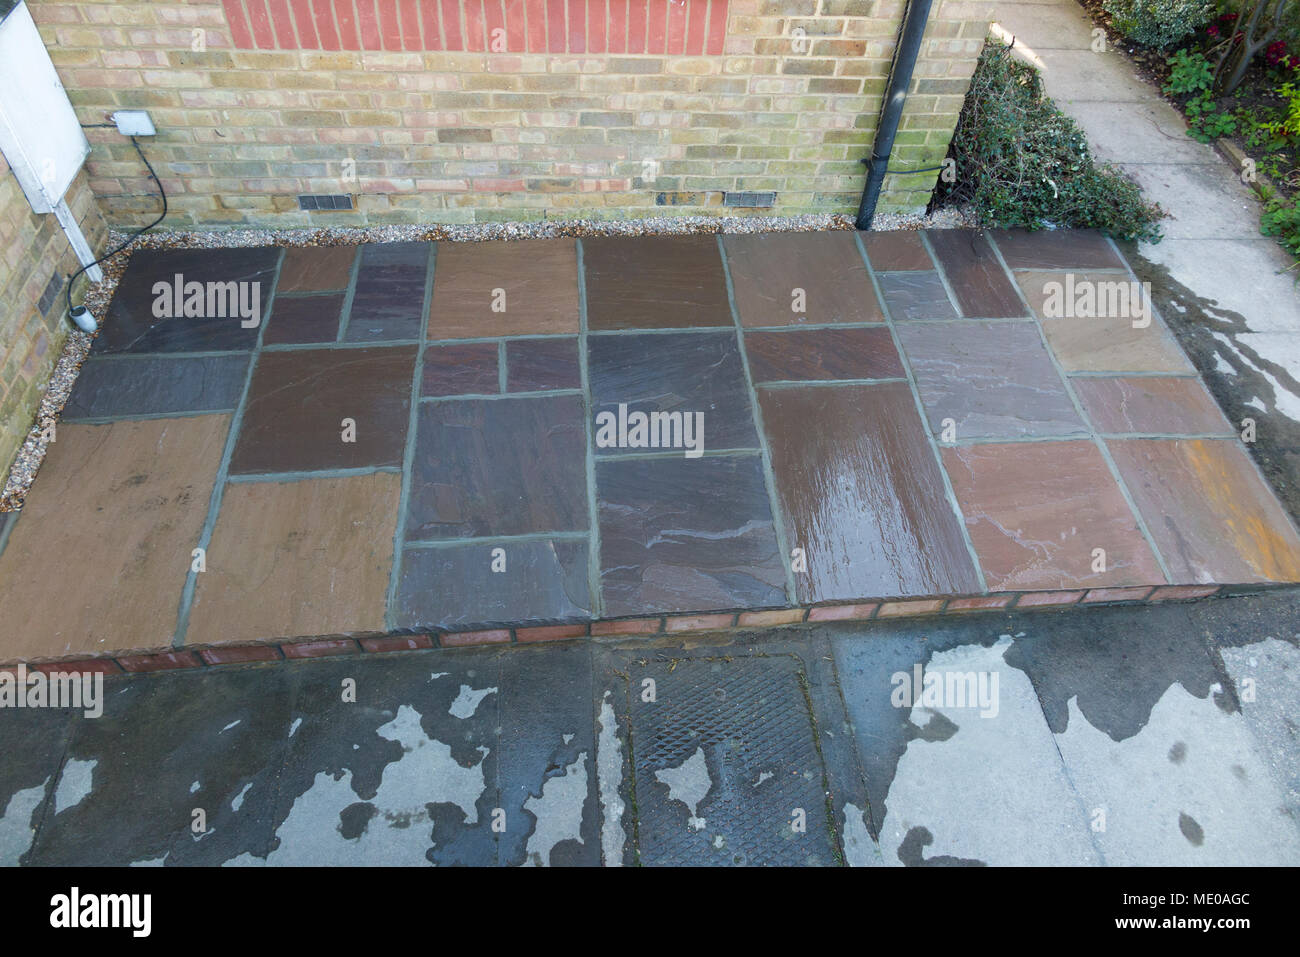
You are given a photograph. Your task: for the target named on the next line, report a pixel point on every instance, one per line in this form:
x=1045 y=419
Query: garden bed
x=1258 y=120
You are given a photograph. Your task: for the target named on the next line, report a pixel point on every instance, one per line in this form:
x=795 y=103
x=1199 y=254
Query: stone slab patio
x=409 y=442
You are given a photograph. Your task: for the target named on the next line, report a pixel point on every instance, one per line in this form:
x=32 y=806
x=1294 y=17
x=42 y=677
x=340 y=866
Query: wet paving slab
x=1091 y=736
x=450 y=437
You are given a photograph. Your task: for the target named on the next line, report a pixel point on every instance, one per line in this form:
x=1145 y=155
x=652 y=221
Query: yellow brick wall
x=32 y=249
x=791 y=105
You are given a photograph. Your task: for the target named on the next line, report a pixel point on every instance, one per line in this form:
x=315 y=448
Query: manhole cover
x=727 y=771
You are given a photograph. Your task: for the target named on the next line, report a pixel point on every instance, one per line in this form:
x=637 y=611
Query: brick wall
x=424 y=120
x=34 y=259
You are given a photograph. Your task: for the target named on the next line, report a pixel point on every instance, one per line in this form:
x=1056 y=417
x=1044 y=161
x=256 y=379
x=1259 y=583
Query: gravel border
x=98 y=296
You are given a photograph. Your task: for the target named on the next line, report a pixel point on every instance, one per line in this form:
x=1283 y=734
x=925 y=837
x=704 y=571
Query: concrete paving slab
x=181 y=768
x=1204 y=201
x=34 y=743
x=1146 y=132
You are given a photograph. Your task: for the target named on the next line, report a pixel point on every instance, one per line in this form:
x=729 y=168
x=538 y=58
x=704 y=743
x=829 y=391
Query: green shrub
x=1188 y=73
x=1159 y=23
x=1282 y=219
x=1022 y=162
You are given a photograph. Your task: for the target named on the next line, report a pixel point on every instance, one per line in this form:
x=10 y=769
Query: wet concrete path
x=1111 y=735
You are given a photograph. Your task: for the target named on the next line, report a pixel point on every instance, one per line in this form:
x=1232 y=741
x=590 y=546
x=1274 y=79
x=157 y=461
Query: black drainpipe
x=900 y=76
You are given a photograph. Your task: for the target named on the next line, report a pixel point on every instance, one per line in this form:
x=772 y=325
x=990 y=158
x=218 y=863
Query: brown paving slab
x=1151 y=404
x=1101 y=343
x=1056 y=249
x=99 y=556
x=767 y=269
x=1036 y=510
x=298 y=400
x=896 y=250
x=992 y=379
x=655 y=282
x=466 y=369
x=978 y=280
x=1211 y=515
x=289 y=559
x=862 y=494
x=539 y=278
x=304 y=319
x=538 y=365
x=316 y=268
x=823 y=354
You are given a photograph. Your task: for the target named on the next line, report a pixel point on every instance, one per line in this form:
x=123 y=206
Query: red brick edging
x=654 y=625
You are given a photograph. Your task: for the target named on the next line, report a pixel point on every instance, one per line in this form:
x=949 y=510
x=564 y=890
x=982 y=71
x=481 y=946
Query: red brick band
x=664 y=27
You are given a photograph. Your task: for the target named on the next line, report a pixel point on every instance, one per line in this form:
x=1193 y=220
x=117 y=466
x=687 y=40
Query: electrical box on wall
x=40 y=135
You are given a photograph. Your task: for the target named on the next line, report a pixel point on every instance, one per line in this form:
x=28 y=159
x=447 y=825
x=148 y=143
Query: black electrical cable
x=134 y=236
x=906 y=172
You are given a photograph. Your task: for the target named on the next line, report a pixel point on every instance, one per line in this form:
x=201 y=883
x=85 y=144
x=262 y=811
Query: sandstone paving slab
x=691 y=373
x=490 y=289
x=1160 y=405
x=978 y=280
x=1211 y=515
x=682 y=534
x=1111 y=332
x=494 y=467
x=296 y=320
x=821 y=275
x=133 y=325
x=120 y=507
x=1038 y=511
x=298 y=401
x=822 y=354
x=492 y=583
x=464 y=369
x=1056 y=249
x=156 y=385
x=310 y=557
x=316 y=268
x=660 y=282
x=862 y=494
x=916 y=295
x=896 y=250
x=388 y=301
x=540 y=365
x=990 y=379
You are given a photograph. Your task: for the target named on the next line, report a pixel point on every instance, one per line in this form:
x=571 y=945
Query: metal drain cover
x=726 y=764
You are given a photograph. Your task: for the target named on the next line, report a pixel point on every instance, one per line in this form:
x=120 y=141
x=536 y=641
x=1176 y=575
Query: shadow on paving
x=1120 y=735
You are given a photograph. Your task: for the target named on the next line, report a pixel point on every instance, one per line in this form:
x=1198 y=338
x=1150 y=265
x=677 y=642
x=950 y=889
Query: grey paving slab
x=402 y=773
x=1156 y=744
x=166 y=749
x=456 y=586
x=957 y=779
x=452 y=759
x=1145 y=132
x=153 y=385
x=547 y=758
x=1258 y=641
x=1181 y=188
x=1051 y=26
x=33 y=742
